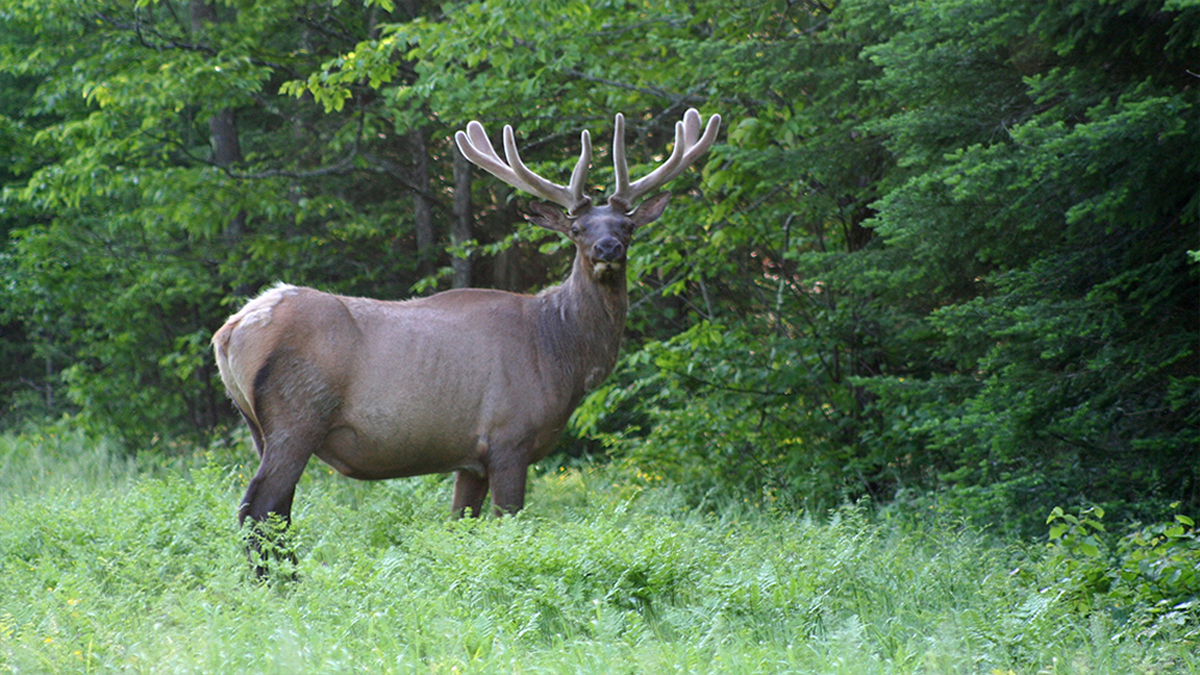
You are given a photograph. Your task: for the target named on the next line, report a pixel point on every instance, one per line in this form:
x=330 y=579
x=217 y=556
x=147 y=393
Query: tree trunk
x=460 y=227
x=222 y=126
x=422 y=206
x=226 y=152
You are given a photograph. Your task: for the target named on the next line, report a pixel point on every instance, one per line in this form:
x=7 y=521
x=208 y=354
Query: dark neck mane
x=582 y=322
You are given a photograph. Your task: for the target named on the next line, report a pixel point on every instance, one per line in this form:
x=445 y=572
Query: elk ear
x=547 y=216
x=648 y=211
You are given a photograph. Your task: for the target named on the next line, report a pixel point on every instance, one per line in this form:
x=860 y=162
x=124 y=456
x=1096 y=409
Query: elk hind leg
x=256 y=433
x=285 y=452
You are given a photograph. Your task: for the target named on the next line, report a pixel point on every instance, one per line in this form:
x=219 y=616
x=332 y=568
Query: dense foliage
x=943 y=254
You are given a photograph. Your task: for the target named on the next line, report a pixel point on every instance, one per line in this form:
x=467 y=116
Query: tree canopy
x=947 y=251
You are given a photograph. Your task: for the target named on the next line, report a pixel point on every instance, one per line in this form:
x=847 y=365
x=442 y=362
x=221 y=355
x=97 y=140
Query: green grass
x=114 y=565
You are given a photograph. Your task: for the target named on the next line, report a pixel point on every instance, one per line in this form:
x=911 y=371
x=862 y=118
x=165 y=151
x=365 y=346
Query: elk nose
x=609 y=249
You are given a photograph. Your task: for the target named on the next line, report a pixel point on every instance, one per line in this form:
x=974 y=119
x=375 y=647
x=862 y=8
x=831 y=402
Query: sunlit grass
x=111 y=564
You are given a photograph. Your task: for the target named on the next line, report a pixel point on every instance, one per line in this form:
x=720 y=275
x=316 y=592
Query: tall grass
x=109 y=564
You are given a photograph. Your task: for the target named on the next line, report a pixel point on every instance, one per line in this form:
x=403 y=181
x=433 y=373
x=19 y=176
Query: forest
x=946 y=252
x=910 y=381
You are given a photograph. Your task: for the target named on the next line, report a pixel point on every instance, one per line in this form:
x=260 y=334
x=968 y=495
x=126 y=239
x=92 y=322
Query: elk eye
x=574 y=230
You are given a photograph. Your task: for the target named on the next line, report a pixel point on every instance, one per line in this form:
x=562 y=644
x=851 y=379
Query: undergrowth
x=112 y=564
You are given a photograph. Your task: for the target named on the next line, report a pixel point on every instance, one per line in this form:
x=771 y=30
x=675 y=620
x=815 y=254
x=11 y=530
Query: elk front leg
x=470 y=489
x=508 y=478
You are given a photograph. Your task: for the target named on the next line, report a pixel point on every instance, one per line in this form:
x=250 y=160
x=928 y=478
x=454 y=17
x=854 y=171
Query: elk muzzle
x=608 y=250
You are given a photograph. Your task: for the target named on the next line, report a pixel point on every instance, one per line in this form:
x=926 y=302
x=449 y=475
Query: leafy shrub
x=1149 y=579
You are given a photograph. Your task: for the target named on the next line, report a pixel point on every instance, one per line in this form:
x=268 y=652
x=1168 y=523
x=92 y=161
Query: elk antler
x=476 y=147
x=689 y=145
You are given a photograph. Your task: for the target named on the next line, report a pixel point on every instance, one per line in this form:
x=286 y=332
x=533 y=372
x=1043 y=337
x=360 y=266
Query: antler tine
x=570 y=196
x=476 y=147
x=689 y=145
x=620 y=166
x=579 y=175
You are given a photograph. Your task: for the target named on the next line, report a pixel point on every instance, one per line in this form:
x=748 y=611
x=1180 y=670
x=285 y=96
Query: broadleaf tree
x=942 y=252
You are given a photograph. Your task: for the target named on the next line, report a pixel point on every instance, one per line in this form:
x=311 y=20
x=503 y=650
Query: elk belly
x=356 y=452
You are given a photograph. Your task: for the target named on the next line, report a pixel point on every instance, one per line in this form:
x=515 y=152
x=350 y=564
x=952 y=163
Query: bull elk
x=479 y=382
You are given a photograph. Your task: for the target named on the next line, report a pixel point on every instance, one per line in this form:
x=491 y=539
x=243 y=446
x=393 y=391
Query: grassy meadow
x=113 y=564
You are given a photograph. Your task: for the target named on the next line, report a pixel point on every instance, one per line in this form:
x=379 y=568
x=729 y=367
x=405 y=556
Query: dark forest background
x=946 y=252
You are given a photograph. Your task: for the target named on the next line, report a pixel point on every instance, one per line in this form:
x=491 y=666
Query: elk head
x=601 y=233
